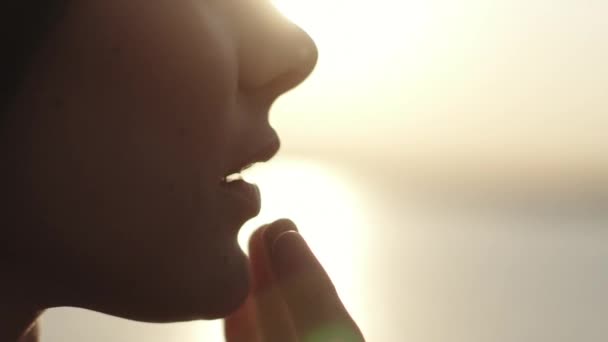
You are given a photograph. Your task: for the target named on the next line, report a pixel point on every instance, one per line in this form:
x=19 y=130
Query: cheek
x=133 y=115
x=171 y=73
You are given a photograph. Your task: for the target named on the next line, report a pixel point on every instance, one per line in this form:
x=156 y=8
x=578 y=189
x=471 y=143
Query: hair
x=24 y=25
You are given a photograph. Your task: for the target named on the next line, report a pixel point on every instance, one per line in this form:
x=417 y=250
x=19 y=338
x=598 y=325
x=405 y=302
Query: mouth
x=234 y=177
x=260 y=155
x=246 y=195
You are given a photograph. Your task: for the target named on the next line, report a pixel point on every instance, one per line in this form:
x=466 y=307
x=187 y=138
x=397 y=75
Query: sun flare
x=319 y=200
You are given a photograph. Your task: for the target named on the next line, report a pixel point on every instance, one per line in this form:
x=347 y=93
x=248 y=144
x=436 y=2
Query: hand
x=292 y=298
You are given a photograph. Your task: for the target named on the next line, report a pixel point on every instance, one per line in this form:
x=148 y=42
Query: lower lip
x=246 y=196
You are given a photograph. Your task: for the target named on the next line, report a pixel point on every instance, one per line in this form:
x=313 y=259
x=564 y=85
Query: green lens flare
x=333 y=333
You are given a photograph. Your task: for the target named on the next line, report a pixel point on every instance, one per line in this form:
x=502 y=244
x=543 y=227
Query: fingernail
x=275 y=229
x=289 y=253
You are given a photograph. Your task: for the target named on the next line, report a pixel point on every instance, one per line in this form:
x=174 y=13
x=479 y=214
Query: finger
x=274 y=324
x=315 y=307
x=241 y=326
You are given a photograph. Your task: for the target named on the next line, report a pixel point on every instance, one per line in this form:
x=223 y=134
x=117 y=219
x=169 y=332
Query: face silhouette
x=130 y=115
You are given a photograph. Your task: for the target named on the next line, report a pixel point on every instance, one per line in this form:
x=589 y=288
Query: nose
x=275 y=55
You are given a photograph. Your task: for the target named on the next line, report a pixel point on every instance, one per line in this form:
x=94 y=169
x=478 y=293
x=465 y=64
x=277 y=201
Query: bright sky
x=465 y=78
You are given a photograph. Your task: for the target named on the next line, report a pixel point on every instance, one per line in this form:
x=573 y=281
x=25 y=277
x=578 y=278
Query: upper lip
x=262 y=154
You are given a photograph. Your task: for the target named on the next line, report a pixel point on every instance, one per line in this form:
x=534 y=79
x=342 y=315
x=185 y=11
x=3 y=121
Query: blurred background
x=448 y=163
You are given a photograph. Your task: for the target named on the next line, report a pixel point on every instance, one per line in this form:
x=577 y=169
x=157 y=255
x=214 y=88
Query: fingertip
x=285 y=222
x=262 y=240
x=275 y=229
x=257 y=236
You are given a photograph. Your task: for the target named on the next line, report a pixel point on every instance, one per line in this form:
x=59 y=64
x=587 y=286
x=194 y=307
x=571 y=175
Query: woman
x=124 y=122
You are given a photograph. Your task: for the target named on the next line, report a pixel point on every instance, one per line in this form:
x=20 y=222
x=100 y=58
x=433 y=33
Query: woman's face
x=130 y=116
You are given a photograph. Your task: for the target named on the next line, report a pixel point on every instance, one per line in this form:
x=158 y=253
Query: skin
x=292 y=297
x=129 y=115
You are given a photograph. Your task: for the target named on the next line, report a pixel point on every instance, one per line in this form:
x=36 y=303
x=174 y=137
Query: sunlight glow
x=342 y=27
x=328 y=210
x=438 y=75
x=320 y=203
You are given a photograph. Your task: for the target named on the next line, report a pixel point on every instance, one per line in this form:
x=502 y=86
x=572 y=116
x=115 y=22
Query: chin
x=182 y=294
x=208 y=296
x=197 y=306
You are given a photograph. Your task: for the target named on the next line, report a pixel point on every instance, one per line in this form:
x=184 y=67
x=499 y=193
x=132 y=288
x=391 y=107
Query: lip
x=244 y=197
x=261 y=155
